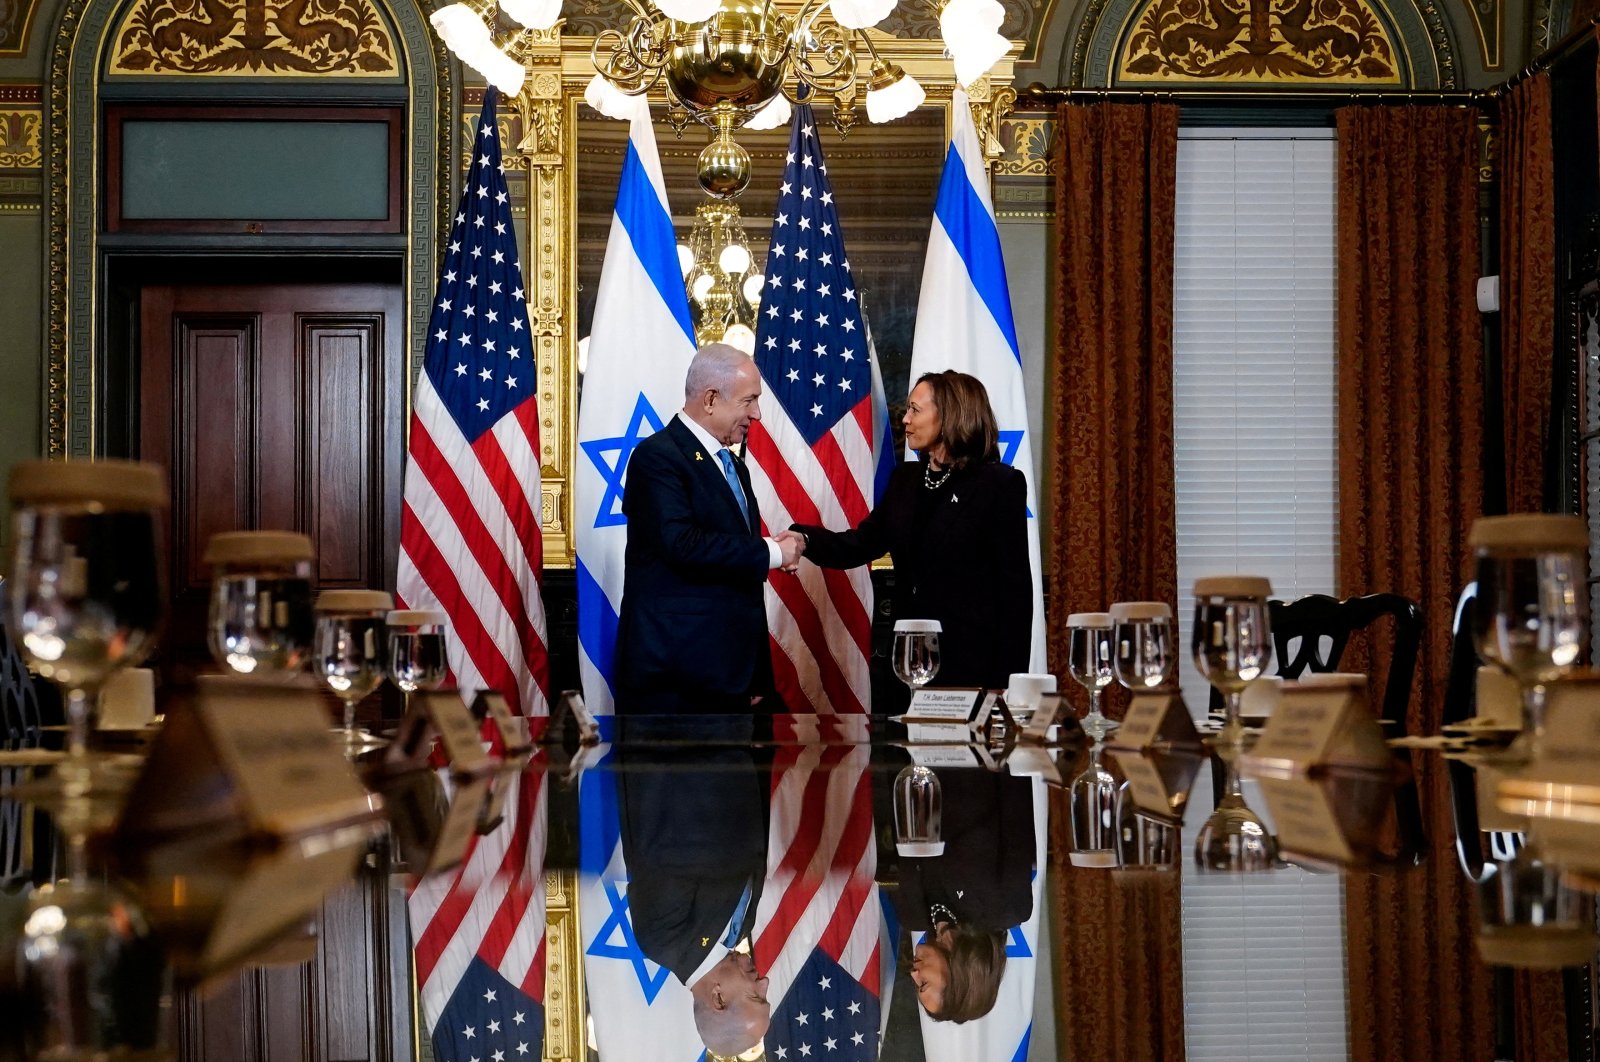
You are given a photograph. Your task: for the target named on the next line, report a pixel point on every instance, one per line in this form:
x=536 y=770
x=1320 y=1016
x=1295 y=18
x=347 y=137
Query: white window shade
x=1257 y=493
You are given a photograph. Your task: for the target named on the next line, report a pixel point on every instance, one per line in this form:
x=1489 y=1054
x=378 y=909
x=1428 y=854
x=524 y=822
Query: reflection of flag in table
x=822 y=440
x=480 y=947
x=639 y=353
x=964 y=317
x=817 y=926
x=470 y=541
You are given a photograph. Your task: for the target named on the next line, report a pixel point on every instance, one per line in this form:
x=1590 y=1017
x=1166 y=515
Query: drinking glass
x=1234 y=839
x=1232 y=642
x=916 y=651
x=260 y=617
x=349 y=651
x=1530 y=617
x=417 y=659
x=1089 y=661
x=918 y=812
x=1142 y=644
x=86 y=592
x=1094 y=801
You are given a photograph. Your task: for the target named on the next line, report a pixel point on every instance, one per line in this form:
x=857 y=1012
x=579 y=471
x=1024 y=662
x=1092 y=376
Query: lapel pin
x=698 y=456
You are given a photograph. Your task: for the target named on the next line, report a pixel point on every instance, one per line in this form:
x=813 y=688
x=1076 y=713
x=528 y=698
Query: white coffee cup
x=1023 y=691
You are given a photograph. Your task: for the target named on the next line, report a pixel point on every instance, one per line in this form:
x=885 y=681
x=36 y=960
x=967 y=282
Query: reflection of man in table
x=694 y=838
x=692 y=635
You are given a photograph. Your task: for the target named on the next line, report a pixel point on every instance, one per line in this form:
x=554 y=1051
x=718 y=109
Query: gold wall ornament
x=19 y=137
x=1259 y=41
x=1026 y=147
x=254 y=38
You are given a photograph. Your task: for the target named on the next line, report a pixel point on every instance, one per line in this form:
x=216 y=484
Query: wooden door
x=272 y=407
x=282 y=407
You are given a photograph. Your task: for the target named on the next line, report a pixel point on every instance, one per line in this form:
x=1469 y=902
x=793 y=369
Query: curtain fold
x=1410 y=458
x=1527 y=286
x=1119 y=946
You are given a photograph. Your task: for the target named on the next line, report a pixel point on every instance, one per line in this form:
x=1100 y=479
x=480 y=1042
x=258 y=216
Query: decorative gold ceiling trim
x=254 y=38
x=1328 y=42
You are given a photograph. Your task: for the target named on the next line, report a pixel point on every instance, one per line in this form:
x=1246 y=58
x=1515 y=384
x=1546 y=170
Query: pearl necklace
x=927 y=476
x=938 y=912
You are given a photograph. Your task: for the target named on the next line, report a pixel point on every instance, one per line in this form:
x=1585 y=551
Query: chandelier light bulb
x=535 y=14
x=701 y=285
x=897 y=97
x=500 y=70
x=611 y=101
x=860 y=14
x=740 y=335
x=773 y=114
x=685 y=259
x=971 y=31
x=583 y=355
x=689 y=10
x=734 y=259
x=977 y=55
x=752 y=288
x=462 y=30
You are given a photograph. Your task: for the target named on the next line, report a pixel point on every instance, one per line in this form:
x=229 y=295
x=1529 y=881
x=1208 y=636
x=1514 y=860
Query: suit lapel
x=709 y=468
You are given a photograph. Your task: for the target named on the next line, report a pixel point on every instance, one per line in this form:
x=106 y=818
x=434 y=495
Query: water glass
x=1142 y=644
x=918 y=812
x=348 y=656
x=1089 y=661
x=417 y=657
x=260 y=617
x=916 y=651
x=1232 y=640
x=1530 y=620
x=1094 y=819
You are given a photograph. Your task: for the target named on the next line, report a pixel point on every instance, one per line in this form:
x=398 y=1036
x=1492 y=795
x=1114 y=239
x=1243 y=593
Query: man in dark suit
x=692 y=636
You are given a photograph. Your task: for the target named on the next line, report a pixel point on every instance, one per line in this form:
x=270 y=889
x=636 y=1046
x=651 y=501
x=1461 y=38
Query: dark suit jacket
x=693 y=631
x=694 y=834
x=965 y=566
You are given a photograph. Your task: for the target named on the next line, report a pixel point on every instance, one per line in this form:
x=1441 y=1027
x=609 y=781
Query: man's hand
x=792 y=544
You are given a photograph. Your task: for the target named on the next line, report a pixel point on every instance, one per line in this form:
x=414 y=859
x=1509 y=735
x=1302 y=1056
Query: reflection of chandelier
x=733 y=63
x=724 y=286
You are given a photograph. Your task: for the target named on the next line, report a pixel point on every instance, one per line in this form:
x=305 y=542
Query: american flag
x=822 y=438
x=470 y=546
x=469 y=530
x=817 y=926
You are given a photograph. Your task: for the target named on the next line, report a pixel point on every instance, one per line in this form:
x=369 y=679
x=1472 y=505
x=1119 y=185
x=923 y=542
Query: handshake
x=793 y=545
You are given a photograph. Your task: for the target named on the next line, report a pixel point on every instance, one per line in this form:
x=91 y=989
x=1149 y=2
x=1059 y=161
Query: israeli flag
x=964 y=318
x=639 y=351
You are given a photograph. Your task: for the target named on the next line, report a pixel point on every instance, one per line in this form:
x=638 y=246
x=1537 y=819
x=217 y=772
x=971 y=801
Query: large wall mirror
x=884 y=221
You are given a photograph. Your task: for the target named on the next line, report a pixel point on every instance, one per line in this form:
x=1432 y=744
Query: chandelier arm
x=830 y=66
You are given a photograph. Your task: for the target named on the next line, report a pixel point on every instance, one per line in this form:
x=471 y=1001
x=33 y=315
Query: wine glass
x=1232 y=643
x=417 y=658
x=260 y=617
x=1234 y=839
x=86 y=592
x=918 y=812
x=1094 y=801
x=1530 y=616
x=349 y=652
x=1142 y=644
x=916 y=651
x=1089 y=660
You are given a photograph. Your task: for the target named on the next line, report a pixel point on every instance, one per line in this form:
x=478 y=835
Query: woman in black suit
x=956 y=522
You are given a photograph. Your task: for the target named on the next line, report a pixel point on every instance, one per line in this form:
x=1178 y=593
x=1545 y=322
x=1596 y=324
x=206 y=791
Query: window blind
x=1253 y=353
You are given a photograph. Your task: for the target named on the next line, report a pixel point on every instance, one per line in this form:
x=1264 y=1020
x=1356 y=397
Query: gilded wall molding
x=21 y=137
x=252 y=38
x=564 y=1024
x=72 y=135
x=1424 y=50
x=16 y=26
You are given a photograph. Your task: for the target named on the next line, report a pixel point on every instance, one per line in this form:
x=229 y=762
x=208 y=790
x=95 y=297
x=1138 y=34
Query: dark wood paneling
x=216 y=369
x=338 y=427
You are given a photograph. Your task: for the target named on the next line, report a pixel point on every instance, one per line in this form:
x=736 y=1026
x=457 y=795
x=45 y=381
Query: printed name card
x=943 y=705
x=1157 y=719
x=1322 y=721
x=1305 y=819
x=1338 y=816
x=514 y=733
x=1159 y=782
x=440 y=713
x=1562 y=783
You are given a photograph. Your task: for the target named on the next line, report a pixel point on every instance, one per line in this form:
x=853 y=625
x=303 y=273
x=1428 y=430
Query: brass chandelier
x=731 y=64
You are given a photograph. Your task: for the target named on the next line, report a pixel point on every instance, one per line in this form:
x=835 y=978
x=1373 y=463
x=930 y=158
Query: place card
x=1159 y=782
x=441 y=714
x=1048 y=714
x=1322 y=819
x=1157 y=719
x=938 y=733
x=1034 y=761
x=255 y=757
x=1321 y=721
x=1562 y=782
x=514 y=733
x=947 y=705
x=943 y=755
x=569 y=707
x=1497 y=700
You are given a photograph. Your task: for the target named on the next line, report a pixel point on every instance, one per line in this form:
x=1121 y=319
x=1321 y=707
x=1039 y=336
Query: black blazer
x=965 y=566
x=694 y=835
x=693 y=630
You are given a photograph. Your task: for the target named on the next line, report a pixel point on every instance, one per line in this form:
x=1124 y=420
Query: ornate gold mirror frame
x=547 y=121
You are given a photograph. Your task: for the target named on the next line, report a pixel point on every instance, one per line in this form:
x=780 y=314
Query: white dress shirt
x=774 y=551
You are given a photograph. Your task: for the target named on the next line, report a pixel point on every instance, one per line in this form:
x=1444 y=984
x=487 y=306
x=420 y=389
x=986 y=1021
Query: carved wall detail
x=1327 y=41
x=1025 y=147
x=19 y=138
x=254 y=38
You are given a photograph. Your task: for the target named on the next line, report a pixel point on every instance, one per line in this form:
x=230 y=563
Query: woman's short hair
x=977 y=963
x=966 y=420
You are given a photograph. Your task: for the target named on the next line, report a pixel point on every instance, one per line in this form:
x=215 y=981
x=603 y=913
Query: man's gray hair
x=715 y=366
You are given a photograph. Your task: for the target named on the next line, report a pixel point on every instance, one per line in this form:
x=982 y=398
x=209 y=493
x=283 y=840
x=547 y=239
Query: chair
x=1317 y=618
x=1461 y=689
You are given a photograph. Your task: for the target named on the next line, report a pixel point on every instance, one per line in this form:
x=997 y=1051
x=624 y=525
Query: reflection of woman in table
x=969 y=899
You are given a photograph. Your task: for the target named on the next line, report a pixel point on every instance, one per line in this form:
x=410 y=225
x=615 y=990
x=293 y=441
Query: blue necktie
x=733 y=481
x=736 y=923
